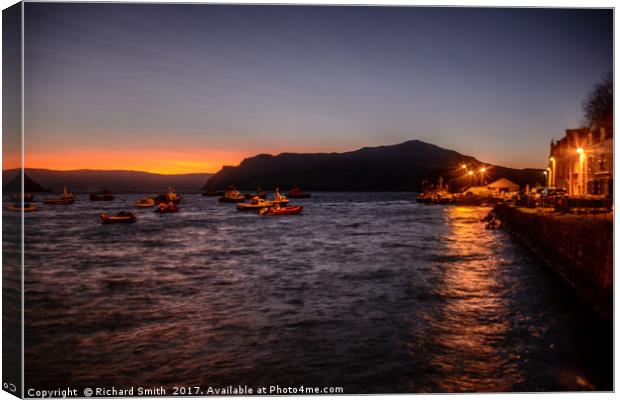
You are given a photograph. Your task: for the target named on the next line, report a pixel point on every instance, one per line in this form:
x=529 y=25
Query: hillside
x=400 y=167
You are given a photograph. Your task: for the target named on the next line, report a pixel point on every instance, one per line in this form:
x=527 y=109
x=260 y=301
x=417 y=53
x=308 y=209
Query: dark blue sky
x=213 y=84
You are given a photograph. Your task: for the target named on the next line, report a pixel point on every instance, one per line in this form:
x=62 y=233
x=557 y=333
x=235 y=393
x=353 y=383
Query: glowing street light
x=551 y=170
x=483 y=169
x=581 y=178
x=470 y=173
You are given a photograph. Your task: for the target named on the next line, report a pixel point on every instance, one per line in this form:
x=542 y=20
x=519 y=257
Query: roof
x=503 y=182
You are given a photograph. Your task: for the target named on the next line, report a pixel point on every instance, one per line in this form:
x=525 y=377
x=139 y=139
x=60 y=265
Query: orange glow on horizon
x=11 y=160
x=154 y=161
x=158 y=161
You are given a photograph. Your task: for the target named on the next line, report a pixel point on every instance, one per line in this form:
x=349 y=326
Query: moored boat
x=103 y=195
x=435 y=197
x=289 y=210
x=58 y=202
x=297 y=193
x=18 y=207
x=279 y=198
x=232 y=196
x=145 y=203
x=164 y=208
x=67 y=198
x=121 y=217
x=255 y=204
x=171 y=196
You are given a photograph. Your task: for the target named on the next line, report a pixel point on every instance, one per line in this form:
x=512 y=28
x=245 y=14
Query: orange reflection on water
x=474 y=315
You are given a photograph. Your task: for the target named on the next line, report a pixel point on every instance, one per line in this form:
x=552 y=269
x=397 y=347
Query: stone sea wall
x=578 y=248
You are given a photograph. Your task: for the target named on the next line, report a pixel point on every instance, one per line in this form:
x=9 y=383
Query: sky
x=188 y=88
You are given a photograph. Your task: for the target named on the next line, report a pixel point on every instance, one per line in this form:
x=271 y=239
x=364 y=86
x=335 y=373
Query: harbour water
x=370 y=292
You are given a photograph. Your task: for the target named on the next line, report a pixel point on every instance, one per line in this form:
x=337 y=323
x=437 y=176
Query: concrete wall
x=579 y=249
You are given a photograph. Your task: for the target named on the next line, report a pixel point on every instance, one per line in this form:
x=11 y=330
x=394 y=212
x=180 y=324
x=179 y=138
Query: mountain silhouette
x=400 y=167
x=86 y=180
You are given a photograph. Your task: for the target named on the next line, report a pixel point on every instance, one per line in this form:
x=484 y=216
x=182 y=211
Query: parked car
x=551 y=194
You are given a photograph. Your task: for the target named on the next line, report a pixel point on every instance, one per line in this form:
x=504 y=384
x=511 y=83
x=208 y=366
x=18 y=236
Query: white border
x=480 y=3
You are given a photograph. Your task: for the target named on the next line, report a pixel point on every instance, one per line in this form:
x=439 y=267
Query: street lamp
x=552 y=177
x=482 y=171
x=582 y=175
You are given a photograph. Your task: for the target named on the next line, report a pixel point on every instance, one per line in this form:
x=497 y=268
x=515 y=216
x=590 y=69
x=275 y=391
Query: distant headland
x=400 y=167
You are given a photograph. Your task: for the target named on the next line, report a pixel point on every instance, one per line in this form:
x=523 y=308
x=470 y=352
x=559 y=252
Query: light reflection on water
x=369 y=291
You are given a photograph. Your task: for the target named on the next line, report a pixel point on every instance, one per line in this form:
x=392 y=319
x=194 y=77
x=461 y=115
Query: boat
x=435 y=197
x=18 y=207
x=145 y=203
x=445 y=198
x=297 y=193
x=171 y=196
x=122 y=217
x=232 y=196
x=103 y=195
x=255 y=204
x=164 y=208
x=289 y=210
x=67 y=198
x=279 y=198
x=58 y=202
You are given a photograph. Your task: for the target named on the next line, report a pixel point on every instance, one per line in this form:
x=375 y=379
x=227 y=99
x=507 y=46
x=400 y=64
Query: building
x=582 y=163
x=495 y=189
x=502 y=185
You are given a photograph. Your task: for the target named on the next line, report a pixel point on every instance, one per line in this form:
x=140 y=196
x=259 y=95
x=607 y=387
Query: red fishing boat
x=282 y=210
x=297 y=193
x=167 y=208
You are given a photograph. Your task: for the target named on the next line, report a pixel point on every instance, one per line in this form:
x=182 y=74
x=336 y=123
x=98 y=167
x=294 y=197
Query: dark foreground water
x=368 y=292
